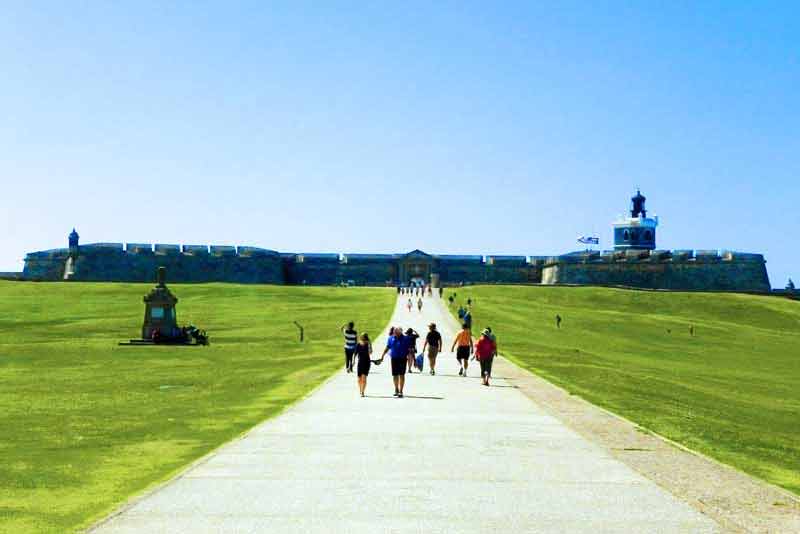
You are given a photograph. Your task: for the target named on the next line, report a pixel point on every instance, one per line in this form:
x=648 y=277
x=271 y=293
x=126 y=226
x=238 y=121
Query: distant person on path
x=350 y=342
x=441 y=292
x=419 y=304
x=363 y=351
x=397 y=347
x=484 y=351
x=412 y=348
x=433 y=342
x=409 y=305
x=463 y=341
x=558 y=321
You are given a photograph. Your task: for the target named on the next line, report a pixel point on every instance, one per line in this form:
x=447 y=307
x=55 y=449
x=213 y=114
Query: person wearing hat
x=433 y=342
x=484 y=353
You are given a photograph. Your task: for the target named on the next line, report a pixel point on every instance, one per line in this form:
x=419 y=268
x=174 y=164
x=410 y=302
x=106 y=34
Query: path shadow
x=404 y=396
x=514 y=387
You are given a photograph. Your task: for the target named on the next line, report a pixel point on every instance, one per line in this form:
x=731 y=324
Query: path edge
x=771 y=518
x=155 y=487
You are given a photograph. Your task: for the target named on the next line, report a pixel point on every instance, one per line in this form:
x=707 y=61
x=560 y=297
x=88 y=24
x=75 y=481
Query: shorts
x=462 y=353
x=432 y=352
x=363 y=368
x=398 y=366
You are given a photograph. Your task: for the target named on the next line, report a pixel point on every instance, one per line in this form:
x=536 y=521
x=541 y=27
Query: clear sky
x=454 y=127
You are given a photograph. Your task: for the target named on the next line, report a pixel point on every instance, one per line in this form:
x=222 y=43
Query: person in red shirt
x=484 y=353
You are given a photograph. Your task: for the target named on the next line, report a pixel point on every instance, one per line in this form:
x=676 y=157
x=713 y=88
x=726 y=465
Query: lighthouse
x=637 y=232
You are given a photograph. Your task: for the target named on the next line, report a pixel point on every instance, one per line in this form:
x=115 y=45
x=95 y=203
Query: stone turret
x=73 y=242
x=637 y=232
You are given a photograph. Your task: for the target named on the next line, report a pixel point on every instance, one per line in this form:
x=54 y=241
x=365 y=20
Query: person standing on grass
x=433 y=342
x=350 y=342
x=485 y=350
x=363 y=352
x=398 y=347
x=463 y=341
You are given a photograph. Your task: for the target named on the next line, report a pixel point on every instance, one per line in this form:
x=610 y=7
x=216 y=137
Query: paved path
x=452 y=456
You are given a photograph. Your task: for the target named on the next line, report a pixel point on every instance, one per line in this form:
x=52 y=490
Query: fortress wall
x=368 y=271
x=710 y=273
x=113 y=264
x=322 y=269
x=455 y=272
x=45 y=265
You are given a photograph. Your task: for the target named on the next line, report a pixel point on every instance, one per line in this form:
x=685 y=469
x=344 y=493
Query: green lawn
x=85 y=423
x=732 y=391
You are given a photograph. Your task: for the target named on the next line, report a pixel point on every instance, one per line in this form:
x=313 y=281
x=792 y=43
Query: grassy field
x=731 y=391
x=85 y=423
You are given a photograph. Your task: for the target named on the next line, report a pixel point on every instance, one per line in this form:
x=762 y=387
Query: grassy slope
x=85 y=423
x=732 y=391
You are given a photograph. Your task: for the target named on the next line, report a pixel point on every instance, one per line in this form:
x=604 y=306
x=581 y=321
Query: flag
x=589 y=240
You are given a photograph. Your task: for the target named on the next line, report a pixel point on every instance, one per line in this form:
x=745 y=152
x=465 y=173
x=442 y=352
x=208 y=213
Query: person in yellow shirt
x=463 y=341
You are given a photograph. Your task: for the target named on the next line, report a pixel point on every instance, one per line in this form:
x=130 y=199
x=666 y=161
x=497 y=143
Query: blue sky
x=454 y=127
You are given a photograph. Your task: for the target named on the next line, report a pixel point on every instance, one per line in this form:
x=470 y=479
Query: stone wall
x=657 y=269
x=138 y=263
x=680 y=270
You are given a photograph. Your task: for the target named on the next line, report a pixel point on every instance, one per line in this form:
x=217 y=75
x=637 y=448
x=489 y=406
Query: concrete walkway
x=453 y=456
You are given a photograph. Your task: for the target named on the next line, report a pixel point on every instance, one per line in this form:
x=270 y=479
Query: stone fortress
x=634 y=262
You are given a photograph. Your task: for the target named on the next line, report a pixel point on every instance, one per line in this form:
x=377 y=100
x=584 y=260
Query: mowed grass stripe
x=731 y=391
x=84 y=424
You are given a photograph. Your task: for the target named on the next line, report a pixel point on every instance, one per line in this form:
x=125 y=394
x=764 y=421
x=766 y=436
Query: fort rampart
x=656 y=269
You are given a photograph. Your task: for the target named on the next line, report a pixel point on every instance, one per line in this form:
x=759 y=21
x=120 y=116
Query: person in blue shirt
x=398 y=347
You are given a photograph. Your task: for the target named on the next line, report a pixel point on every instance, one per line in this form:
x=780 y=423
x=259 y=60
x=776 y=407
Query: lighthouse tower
x=637 y=232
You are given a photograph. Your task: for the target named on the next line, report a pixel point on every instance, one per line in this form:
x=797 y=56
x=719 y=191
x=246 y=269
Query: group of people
x=401 y=347
x=418 y=291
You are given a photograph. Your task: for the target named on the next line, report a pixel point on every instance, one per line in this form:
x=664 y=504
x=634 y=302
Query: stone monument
x=159 y=311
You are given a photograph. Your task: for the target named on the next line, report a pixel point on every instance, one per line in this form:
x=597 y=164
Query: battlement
x=652 y=256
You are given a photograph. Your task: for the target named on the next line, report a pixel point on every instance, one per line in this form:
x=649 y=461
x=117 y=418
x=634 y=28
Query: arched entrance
x=415 y=268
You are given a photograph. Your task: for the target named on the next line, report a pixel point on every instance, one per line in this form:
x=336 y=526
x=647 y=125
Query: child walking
x=363 y=352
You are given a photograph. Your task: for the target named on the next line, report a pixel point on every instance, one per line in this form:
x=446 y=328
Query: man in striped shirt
x=350 y=342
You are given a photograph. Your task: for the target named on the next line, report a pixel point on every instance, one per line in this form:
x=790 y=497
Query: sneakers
x=399 y=395
x=461 y=372
x=396 y=393
x=433 y=372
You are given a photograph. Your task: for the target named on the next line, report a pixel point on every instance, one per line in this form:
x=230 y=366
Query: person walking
x=350 y=342
x=433 y=342
x=363 y=352
x=397 y=347
x=463 y=341
x=412 y=348
x=409 y=305
x=419 y=304
x=485 y=350
x=441 y=291
x=467 y=319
